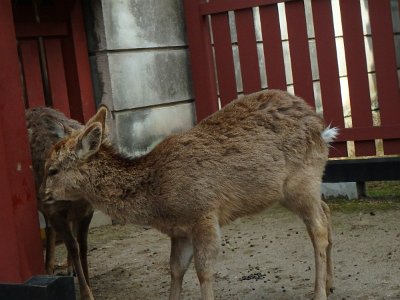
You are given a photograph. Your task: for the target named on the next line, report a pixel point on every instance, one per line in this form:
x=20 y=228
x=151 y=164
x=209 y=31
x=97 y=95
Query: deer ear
x=89 y=141
x=55 y=126
x=100 y=117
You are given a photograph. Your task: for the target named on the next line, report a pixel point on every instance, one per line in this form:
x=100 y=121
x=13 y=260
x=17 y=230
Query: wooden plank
x=389 y=132
x=299 y=51
x=328 y=69
x=77 y=69
x=227 y=5
x=20 y=250
x=48 y=29
x=32 y=73
x=273 y=51
x=56 y=74
x=385 y=67
x=247 y=45
x=224 y=58
x=357 y=72
x=201 y=59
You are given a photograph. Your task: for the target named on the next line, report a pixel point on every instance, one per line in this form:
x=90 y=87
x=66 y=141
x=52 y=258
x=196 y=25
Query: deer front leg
x=206 y=244
x=50 y=249
x=82 y=234
x=181 y=256
x=65 y=231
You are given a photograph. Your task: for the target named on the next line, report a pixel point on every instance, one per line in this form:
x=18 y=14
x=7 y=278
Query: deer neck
x=118 y=187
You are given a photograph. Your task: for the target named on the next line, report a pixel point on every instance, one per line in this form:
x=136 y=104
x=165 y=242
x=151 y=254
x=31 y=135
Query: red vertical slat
x=224 y=58
x=32 y=72
x=299 y=51
x=80 y=88
x=357 y=72
x=273 y=51
x=385 y=67
x=56 y=73
x=328 y=69
x=201 y=58
x=20 y=247
x=247 y=44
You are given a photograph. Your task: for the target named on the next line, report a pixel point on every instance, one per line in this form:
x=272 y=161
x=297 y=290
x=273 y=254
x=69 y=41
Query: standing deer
x=260 y=149
x=46 y=127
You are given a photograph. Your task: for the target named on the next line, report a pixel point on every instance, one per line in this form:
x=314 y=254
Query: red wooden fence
x=43 y=61
x=53 y=57
x=213 y=65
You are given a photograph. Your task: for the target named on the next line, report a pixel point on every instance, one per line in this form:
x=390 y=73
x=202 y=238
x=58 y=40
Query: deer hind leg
x=304 y=200
x=82 y=234
x=329 y=277
x=206 y=243
x=181 y=256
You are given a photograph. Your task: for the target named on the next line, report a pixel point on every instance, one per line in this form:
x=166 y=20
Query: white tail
x=330 y=134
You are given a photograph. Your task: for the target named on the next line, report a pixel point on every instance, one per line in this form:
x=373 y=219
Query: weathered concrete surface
x=139 y=131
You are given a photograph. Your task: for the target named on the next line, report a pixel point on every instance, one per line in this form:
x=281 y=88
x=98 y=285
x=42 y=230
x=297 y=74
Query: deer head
x=65 y=170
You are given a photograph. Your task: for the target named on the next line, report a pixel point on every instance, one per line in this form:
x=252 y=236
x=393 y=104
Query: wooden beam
x=20 y=250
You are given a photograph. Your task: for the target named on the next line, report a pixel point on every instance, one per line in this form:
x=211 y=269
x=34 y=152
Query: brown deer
x=46 y=127
x=260 y=149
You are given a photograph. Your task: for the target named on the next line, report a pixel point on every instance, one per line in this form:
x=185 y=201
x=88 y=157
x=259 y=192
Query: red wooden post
x=55 y=69
x=328 y=69
x=360 y=100
x=385 y=66
x=299 y=51
x=248 y=51
x=224 y=58
x=32 y=74
x=273 y=51
x=76 y=61
x=201 y=60
x=20 y=247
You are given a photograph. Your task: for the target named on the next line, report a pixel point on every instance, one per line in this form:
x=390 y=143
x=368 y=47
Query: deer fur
x=260 y=149
x=67 y=219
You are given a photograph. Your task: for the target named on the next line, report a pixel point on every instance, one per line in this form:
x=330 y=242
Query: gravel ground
x=267 y=256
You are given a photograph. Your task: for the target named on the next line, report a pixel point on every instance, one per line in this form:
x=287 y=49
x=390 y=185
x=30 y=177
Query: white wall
x=140 y=69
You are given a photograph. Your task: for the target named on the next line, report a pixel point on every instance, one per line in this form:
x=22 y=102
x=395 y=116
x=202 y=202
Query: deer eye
x=52 y=172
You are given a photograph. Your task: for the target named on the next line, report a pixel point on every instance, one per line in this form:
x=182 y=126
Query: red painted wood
x=328 y=69
x=55 y=68
x=32 y=72
x=385 y=67
x=272 y=43
x=299 y=51
x=10 y=265
x=227 y=5
x=247 y=44
x=20 y=248
x=357 y=72
x=201 y=59
x=59 y=10
x=224 y=58
x=388 y=132
x=77 y=69
x=82 y=62
x=29 y=29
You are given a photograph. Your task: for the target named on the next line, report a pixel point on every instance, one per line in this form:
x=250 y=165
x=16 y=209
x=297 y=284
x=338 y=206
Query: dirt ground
x=267 y=256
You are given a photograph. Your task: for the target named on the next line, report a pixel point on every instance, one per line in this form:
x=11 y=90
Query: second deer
x=68 y=219
x=260 y=149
